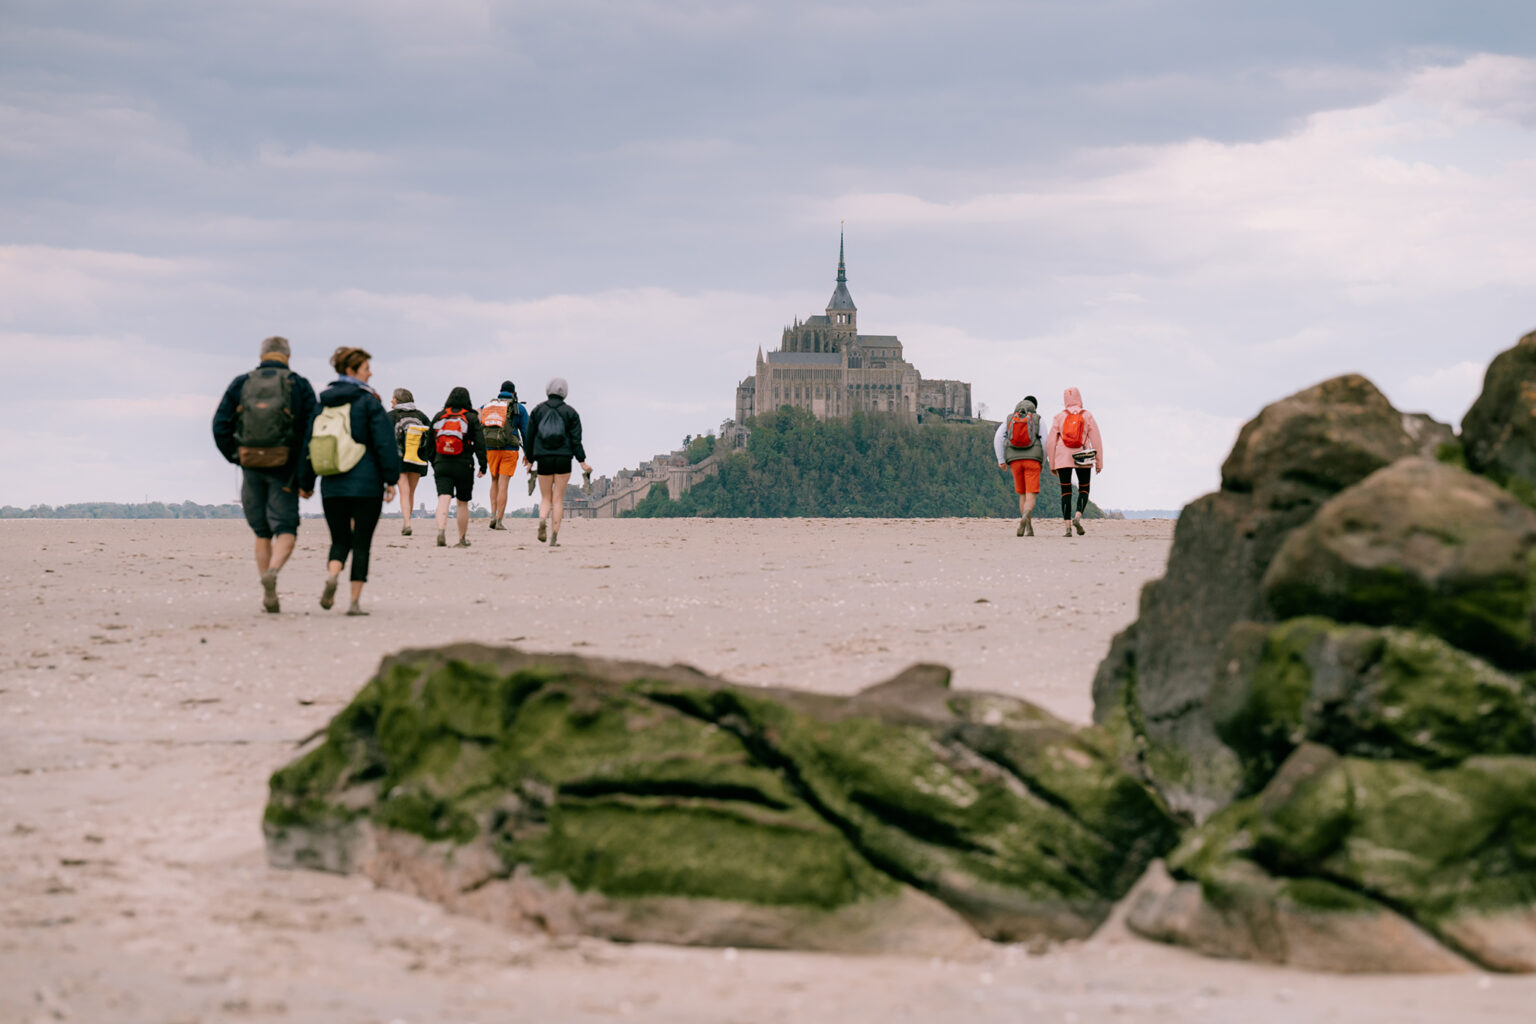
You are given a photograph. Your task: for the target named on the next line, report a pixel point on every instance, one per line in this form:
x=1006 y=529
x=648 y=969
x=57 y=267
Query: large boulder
x=1499 y=431
x=1422 y=545
x=1351 y=864
x=637 y=802
x=1150 y=692
x=1363 y=691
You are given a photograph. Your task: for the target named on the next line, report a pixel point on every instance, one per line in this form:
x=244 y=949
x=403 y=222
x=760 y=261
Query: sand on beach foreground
x=145 y=699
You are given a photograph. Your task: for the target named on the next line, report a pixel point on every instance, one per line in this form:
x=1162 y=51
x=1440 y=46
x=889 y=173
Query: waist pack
x=332 y=450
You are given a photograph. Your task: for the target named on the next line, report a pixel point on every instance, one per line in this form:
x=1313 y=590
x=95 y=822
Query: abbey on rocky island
x=825 y=366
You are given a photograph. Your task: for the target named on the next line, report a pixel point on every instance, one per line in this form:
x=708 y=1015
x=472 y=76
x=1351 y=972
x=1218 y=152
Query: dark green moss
x=670 y=847
x=425 y=816
x=1452 y=453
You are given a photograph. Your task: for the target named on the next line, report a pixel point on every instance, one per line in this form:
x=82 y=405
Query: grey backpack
x=264 y=418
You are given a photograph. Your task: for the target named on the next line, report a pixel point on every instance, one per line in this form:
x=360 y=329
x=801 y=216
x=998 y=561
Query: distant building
x=825 y=366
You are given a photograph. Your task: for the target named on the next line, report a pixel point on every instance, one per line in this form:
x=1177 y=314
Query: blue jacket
x=226 y=419
x=379 y=468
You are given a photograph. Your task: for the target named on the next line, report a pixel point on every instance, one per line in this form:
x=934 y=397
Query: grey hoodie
x=1007 y=452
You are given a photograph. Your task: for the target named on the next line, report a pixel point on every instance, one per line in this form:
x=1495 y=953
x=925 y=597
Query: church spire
x=842 y=270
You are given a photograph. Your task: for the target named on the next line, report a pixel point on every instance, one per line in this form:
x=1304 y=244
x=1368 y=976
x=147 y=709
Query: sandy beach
x=145 y=699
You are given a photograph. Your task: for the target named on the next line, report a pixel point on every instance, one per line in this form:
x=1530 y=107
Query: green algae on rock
x=1287 y=463
x=1363 y=691
x=1423 y=545
x=1426 y=868
x=647 y=803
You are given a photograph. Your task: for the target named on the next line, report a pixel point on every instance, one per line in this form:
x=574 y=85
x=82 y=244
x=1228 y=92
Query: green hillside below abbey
x=868 y=465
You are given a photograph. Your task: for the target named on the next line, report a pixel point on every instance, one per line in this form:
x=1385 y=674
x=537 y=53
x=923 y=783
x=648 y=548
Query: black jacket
x=474 y=446
x=226 y=419
x=371 y=427
x=554 y=405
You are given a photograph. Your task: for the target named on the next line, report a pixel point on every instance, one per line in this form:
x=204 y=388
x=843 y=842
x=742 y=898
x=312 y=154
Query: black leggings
x=352 y=521
x=1065 y=476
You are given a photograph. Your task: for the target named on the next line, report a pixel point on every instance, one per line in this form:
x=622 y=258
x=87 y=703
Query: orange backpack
x=1021 y=431
x=1073 y=430
x=452 y=431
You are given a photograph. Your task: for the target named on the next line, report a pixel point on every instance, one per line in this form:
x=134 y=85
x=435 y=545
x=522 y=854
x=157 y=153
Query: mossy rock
x=1418 y=544
x=1449 y=851
x=1499 y=431
x=1288 y=461
x=642 y=802
x=1369 y=692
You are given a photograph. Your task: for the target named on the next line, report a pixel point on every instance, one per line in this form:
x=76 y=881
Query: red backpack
x=1073 y=430
x=452 y=430
x=1021 y=431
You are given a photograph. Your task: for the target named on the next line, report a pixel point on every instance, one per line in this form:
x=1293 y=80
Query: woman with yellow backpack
x=351 y=448
x=411 y=426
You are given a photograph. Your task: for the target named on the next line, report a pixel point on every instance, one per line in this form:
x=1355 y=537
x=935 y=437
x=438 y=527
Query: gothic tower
x=842 y=314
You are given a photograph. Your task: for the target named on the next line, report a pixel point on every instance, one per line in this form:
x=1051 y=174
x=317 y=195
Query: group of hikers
x=284 y=438
x=1073 y=446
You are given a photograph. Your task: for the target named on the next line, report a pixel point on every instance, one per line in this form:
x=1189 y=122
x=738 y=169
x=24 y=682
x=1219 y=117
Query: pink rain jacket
x=1059 y=454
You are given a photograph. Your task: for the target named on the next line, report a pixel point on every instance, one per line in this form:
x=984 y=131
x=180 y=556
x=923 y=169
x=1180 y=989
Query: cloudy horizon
x=1186 y=209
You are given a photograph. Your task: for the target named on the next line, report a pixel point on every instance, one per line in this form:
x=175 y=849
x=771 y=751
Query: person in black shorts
x=553 y=441
x=456 y=442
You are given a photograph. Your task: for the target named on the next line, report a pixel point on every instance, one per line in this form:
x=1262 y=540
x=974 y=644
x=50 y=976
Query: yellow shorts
x=502 y=463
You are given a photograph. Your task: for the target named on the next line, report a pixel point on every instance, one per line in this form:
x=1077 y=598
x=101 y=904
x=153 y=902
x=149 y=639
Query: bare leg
x=546 y=495
x=407 y=497
x=263 y=555
x=557 y=499
x=282 y=547
x=463 y=519
x=1027 y=504
x=499 y=486
x=443 y=503
x=357 y=590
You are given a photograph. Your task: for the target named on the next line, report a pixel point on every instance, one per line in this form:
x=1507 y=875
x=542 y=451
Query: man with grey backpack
x=260 y=426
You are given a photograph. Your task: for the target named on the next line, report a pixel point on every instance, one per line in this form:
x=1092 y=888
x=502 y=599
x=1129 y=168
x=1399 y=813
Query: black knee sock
x=1082 y=497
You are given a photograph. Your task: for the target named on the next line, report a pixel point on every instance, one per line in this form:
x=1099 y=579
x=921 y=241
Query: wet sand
x=145 y=698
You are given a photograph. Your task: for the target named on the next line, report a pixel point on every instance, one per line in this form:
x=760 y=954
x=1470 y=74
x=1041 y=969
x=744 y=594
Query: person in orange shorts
x=504 y=420
x=1018 y=448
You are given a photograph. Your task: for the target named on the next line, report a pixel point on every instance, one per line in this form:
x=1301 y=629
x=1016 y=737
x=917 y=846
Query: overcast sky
x=1186 y=209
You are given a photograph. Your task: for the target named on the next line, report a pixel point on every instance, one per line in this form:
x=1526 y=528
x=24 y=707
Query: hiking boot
x=1077 y=523
x=442 y=538
x=1069 y=529
x=1022 y=524
x=1029 y=526
x=328 y=595
x=356 y=609
x=543 y=531
x=554 y=540
x=463 y=542
x=269 y=591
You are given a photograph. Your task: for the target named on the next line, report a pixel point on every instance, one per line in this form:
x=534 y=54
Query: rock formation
x=644 y=803
x=1351 y=715
x=1294 y=456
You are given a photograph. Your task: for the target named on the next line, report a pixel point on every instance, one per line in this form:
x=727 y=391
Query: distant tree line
x=867 y=465
x=118 y=510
